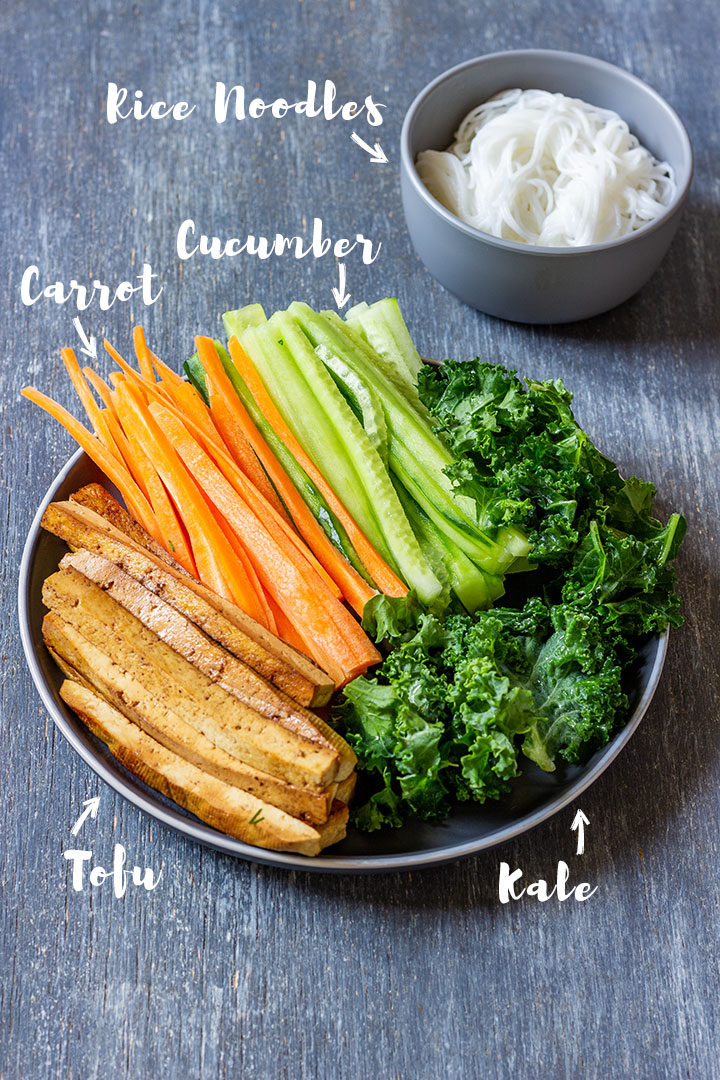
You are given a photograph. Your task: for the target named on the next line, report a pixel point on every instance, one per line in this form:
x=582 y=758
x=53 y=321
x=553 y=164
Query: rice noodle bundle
x=547 y=170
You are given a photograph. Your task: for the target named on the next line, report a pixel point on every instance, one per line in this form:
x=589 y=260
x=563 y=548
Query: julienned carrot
x=142 y=354
x=319 y=617
x=149 y=358
x=211 y=441
x=227 y=421
x=217 y=565
x=296 y=550
x=143 y=471
x=236 y=544
x=141 y=466
x=116 y=472
x=224 y=399
x=131 y=373
x=84 y=393
x=286 y=629
x=192 y=405
x=383 y=576
x=100 y=387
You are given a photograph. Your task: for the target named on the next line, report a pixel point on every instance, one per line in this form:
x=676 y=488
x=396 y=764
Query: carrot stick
x=142 y=469
x=190 y=404
x=149 y=358
x=236 y=544
x=107 y=426
x=223 y=396
x=83 y=392
x=216 y=562
x=174 y=538
x=142 y=354
x=132 y=374
x=229 y=423
x=286 y=629
x=100 y=387
x=216 y=449
x=317 y=615
x=116 y=472
x=383 y=576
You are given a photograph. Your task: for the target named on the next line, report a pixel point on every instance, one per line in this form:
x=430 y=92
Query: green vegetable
x=235 y=322
x=330 y=433
x=456 y=703
x=361 y=398
x=415 y=455
x=520 y=452
x=383 y=327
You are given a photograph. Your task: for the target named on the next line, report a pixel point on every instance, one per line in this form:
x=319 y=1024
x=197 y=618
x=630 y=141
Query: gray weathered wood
x=230 y=970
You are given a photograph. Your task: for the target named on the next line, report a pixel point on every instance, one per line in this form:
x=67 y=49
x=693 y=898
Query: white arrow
x=377 y=154
x=579 y=823
x=341 y=297
x=91 y=808
x=89 y=345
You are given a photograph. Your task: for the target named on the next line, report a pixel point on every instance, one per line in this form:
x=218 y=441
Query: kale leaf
x=457 y=699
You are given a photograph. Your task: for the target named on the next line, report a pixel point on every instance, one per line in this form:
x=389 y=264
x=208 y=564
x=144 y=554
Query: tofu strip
x=208 y=679
x=219 y=804
x=172 y=626
x=81 y=527
x=130 y=683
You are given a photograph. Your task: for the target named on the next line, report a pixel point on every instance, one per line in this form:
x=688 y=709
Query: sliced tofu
x=291 y=671
x=157 y=703
x=187 y=639
x=220 y=805
x=205 y=672
x=96 y=498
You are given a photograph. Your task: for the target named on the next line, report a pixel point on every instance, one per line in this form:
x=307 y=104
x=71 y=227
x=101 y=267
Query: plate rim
x=228 y=845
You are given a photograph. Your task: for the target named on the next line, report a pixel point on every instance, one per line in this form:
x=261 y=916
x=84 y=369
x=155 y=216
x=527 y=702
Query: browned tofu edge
x=218 y=804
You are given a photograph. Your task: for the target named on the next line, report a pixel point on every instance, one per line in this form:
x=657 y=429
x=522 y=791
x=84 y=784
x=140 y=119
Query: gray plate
x=535 y=795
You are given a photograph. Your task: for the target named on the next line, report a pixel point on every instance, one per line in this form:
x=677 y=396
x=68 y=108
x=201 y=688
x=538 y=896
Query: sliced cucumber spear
x=415 y=454
x=383 y=327
x=330 y=433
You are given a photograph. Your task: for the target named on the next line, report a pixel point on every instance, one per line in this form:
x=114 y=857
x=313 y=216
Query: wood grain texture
x=227 y=969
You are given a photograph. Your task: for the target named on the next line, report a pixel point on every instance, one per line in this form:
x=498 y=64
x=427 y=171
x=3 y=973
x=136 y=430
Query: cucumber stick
x=383 y=327
x=330 y=433
x=350 y=333
x=361 y=398
x=474 y=589
x=235 y=322
x=415 y=454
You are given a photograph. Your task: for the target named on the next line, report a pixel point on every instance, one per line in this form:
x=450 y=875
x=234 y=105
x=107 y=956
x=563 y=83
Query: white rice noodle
x=547 y=170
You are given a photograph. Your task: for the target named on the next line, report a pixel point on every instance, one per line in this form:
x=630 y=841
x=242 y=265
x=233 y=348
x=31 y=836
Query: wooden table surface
x=228 y=969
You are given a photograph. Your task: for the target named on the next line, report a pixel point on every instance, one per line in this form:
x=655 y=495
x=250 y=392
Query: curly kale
x=456 y=701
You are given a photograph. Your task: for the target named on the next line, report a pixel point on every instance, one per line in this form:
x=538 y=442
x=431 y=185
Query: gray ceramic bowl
x=516 y=281
x=535 y=795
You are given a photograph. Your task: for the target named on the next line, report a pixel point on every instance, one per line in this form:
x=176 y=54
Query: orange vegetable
x=229 y=423
x=236 y=544
x=336 y=639
x=211 y=440
x=142 y=353
x=131 y=374
x=153 y=361
x=116 y=471
x=174 y=537
x=224 y=399
x=216 y=562
x=384 y=577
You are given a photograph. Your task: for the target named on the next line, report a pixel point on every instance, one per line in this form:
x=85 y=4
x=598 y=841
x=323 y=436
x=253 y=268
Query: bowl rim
x=147 y=800
x=409 y=168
